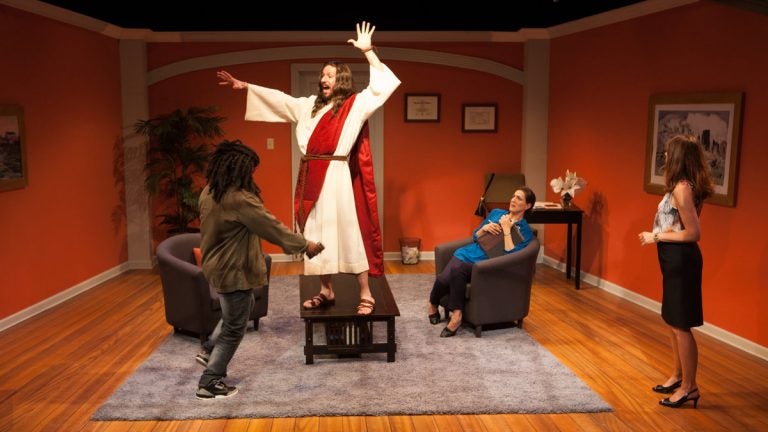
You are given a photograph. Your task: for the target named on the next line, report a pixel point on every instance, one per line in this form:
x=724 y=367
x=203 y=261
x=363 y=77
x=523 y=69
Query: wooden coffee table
x=347 y=333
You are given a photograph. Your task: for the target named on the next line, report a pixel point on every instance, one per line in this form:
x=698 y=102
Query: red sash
x=320 y=148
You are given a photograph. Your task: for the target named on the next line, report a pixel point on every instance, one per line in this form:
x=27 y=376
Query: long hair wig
x=343 y=88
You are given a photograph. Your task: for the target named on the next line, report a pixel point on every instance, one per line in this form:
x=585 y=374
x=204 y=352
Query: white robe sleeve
x=270 y=105
x=381 y=85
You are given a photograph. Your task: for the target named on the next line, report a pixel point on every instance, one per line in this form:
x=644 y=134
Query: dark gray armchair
x=500 y=291
x=191 y=305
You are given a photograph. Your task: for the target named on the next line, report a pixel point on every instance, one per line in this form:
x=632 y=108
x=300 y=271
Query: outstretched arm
x=227 y=79
x=364 y=43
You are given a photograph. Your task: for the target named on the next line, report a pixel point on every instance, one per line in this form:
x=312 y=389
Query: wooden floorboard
x=62 y=364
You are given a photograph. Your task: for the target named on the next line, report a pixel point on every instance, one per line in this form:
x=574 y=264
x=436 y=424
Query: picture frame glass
x=479 y=118
x=422 y=107
x=714 y=120
x=13 y=173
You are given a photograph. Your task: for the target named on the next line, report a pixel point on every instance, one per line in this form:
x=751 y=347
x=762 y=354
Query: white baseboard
x=63 y=296
x=707 y=329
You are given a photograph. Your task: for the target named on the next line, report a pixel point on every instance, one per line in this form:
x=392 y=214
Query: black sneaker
x=215 y=390
x=202 y=358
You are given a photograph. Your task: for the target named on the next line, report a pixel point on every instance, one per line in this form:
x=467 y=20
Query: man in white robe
x=333 y=218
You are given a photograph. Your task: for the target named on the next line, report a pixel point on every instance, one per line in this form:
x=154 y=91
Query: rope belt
x=303 y=174
x=323 y=157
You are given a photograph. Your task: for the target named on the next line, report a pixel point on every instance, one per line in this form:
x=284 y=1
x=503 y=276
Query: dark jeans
x=235 y=310
x=452 y=281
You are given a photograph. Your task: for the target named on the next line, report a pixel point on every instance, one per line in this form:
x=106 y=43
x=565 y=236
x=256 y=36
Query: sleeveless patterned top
x=667 y=217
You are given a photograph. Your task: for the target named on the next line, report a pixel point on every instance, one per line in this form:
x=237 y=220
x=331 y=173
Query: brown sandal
x=366 y=306
x=320 y=300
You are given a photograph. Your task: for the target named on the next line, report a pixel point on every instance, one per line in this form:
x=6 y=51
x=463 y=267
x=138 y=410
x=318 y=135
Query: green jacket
x=231 y=233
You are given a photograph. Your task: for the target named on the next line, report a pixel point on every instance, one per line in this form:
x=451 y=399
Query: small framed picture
x=478 y=118
x=422 y=107
x=13 y=160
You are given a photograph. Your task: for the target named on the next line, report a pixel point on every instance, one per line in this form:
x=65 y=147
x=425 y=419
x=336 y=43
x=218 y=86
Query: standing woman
x=676 y=231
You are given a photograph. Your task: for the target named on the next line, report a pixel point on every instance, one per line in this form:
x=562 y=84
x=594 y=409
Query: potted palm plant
x=177 y=155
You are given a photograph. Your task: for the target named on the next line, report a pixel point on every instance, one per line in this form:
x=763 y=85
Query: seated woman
x=457 y=273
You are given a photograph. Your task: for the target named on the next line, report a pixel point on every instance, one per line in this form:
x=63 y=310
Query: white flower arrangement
x=569 y=186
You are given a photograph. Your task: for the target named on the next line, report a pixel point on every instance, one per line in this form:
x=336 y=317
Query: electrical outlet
x=270 y=143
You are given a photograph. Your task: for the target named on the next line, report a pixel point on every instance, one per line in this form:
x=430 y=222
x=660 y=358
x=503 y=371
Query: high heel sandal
x=434 y=318
x=685 y=398
x=667 y=389
x=448 y=332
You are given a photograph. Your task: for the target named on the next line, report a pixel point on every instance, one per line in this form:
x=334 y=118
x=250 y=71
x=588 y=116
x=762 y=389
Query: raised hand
x=227 y=79
x=364 y=34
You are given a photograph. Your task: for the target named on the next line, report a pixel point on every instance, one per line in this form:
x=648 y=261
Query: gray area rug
x=505 y=371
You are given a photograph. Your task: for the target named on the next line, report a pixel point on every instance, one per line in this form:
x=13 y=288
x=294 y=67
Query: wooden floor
x=61 y=365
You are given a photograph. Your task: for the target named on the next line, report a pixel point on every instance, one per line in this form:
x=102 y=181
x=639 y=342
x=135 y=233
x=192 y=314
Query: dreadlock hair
x=231 y=166
x=343 y=88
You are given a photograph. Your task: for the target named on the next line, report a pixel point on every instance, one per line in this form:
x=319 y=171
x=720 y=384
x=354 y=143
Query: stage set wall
x=68 y=225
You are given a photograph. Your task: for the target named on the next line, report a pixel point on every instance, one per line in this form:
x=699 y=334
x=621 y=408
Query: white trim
x=654 y=306
x=62 y=296
x=329 y=51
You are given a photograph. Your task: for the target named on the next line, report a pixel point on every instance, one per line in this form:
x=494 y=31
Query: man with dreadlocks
x=335 y=199
x=233 y=220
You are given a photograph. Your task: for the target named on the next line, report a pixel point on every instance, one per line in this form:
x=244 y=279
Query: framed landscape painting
x=715 y=119
x=13 y=170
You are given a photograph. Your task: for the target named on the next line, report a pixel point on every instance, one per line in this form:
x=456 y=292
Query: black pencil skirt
x=681 y=265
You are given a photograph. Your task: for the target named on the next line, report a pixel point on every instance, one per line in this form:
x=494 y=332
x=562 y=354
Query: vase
x=566 y=200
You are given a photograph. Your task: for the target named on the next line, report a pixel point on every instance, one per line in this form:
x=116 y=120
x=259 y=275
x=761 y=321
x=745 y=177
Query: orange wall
x=432 y=170
x=600 y=84
x=68 y=224
x=54 y=238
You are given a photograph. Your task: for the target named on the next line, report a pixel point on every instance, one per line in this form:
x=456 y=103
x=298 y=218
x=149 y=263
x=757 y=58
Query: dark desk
x=572 y=215
x=347 y=333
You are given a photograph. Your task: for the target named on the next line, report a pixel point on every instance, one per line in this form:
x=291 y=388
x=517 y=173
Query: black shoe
x=669 y=389
x=202 y=358
x=215 y=390
x=434 y=319
x=448 y=332
x=678 y=403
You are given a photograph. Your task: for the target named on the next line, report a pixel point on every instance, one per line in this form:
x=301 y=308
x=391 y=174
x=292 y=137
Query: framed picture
x=715 y=118
x=422 y=107
x=13 y=161
x=478 y=118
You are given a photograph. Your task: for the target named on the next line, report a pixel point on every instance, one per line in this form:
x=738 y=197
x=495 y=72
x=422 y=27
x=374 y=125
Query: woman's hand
x=364 y=33
x=506 y=223
x=492 y=228
x=646 y=238
x=227 y=79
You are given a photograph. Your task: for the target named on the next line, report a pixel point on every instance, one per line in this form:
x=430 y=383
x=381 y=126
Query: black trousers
x=452 y=281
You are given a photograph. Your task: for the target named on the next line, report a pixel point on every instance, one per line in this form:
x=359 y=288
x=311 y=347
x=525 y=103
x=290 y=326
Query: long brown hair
x=686 y=161
x=343 y=88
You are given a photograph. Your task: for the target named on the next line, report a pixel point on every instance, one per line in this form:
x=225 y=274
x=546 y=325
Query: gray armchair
x=500 y=291
x=191 y=304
